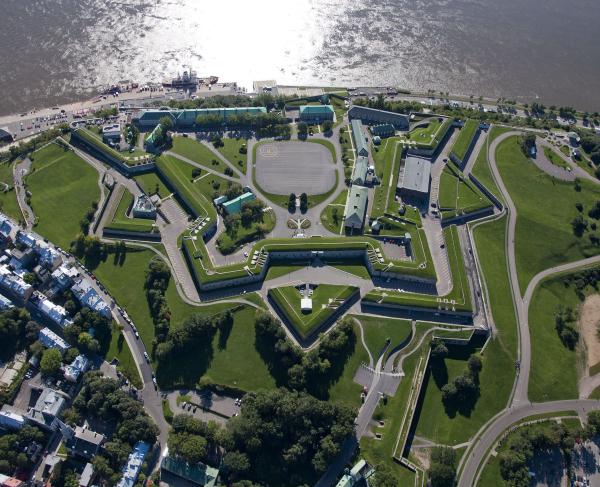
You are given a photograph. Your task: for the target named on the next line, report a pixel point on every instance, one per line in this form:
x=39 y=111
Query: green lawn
x=326 y=298
x=384 y=169
x=63 y=188
x=8 y=199
x=553 y=373
x=358 y=269
x=378 y=329
x=464 y=139
x=231 y=152
x=554 y=158
x=458 y=195
x=152 y=184
x=565 y=150
x=335 y=211
x=545 y=207
x=120 y=350
x=199 y=153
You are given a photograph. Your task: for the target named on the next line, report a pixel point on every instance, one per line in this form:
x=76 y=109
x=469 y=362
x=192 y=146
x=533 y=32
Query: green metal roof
x=383 y=129
x=356 y=204
x=316 y=110
x=235 y=205
x=189 y=116
x=200 y=474
x=151 y=138
x=359 y=173
x=360 y=142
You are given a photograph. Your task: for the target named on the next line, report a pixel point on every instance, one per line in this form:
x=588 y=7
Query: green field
x=545 y=207
x=335 y=208
x=326 y=298
x=554 y=158
x=553 y=373
x=152 y=184
x=231 y=152
x=8 y=199
x=464 y=139
x=459 y=196
x=386 y=158
x=63 y=188
x=199 y=153
x=378 y=329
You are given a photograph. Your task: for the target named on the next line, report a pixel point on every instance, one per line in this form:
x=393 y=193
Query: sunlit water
x=62 y=50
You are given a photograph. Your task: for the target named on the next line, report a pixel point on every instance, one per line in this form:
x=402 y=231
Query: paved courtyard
x=294 y=167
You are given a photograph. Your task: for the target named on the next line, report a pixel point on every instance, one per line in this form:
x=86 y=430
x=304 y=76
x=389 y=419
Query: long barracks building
x=148 y=119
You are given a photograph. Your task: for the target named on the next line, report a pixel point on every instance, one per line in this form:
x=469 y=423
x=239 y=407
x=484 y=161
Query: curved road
x=520 y=406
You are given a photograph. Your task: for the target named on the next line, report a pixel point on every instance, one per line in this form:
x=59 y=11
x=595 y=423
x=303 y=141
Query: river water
x=54 y=51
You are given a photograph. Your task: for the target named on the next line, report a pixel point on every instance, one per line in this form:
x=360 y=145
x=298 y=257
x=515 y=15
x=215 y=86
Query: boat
x=186 y=80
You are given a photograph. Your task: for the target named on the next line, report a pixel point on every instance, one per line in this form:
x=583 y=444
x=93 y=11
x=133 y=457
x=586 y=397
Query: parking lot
x=294 y=167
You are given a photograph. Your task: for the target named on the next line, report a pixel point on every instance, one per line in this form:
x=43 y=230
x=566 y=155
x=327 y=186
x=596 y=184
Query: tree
x=327 y=126
x=167 y=123
x=194 y=449
x=51 y=362
x=438 y=349
x=236 y=464
x=475 y=365
x=303 y=202
x=302 y=129
x=527 y=143
x=579 y=225
x=442 y=470
x=384 y=477
x=292 y=203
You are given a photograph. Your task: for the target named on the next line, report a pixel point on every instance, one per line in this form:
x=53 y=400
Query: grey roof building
x=143 y=207
x=415 y=177
x=51 y=340
x=14 y=286
x=356 y=207
x=82 y=442
x=87 y=296
x=373 y=116
x=359 y=172
x=46 y=409
x=360 y=142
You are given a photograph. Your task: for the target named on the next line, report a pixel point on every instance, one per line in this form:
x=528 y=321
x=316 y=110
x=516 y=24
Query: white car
x=146 y=357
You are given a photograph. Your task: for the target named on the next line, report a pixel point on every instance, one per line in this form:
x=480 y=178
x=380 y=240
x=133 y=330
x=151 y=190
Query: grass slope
x=8 y=199
x=199 y=153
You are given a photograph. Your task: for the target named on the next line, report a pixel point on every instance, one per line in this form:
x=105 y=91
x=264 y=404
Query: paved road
x=520 y=406
x=480 y=448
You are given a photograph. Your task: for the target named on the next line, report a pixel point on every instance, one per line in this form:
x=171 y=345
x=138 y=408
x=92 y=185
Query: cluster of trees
x=391 y=106
x=271 y=124
x=564 y=317
x=50 y=362
x=302 y=130
x=32 y=145
x=442 y=467
x=17 y=332
x=582 y=279
x=87 y=219
x=89 y=248
x=106 y=112
x=132 y=134
x=225 y=101
x=194 y=440
x=252 y=213
x=580 y=225
x=285 y=438
x=522 y=444
x=103 y=399
x=158 y=275
x=527 y=142
x=591 y=144
x=11 y=448
x=79 y=331
x=463 y=391
x=312 y=371
x=195 y=333
x=327 y=126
